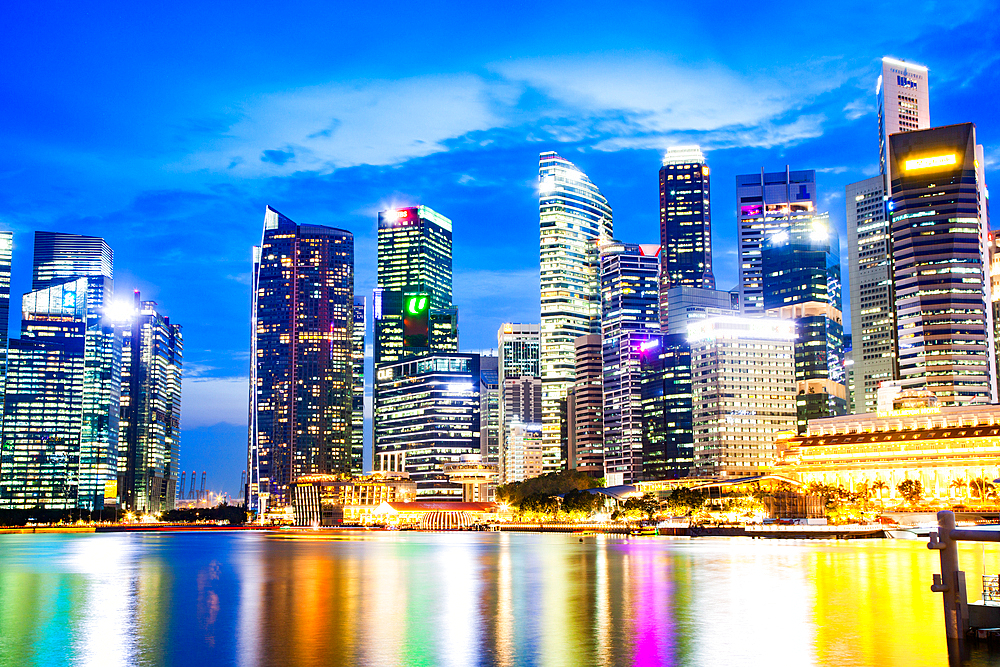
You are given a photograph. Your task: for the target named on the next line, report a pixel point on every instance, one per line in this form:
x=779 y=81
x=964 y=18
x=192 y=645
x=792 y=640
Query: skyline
x=133 y=142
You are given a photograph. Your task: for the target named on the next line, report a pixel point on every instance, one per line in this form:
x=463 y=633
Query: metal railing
x=991 y=588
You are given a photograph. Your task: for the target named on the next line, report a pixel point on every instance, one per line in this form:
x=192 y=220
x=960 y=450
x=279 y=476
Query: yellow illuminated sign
x=508 y=328
x=931 y=162
x=909 y=412
x=111 y=489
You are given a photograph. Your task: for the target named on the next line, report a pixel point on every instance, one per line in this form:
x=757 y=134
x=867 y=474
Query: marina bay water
x=398 y=598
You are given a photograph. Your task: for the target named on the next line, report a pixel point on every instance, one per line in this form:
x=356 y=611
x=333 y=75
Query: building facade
x=743 y=393
x=629 y=318
x=902 y=95
x=685 y=223
x=585 y=409
x=518 y=357
x=573 y=217
x=944 y=316
x=801 y=270
x=766 y=202
x=522 y=457
x=667 y=426
x=428 y=415
x=695 y=303
x=360 y=325
x=301 y=375
x=149 y=432
x=490 y=409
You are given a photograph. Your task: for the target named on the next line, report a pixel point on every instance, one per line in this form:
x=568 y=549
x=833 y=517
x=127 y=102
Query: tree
x=911 y=490
x=959 y=485
x=878 y=486
x=982 y=488
x=685 y=501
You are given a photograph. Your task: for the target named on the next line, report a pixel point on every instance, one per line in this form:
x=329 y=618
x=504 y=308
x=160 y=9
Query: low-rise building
x=332 y=500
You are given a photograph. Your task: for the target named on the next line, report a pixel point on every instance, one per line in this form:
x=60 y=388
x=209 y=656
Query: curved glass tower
x=573 y=217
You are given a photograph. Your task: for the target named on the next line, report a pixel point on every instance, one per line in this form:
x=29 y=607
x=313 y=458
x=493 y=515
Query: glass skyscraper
x=573 y=217
x=149 y=428
x=766 y=202
x=6 y=255
x=358 y=386
x=668 y=431
x=944 y=318
x=802 y=283
x=302 y=374
x=630 y=279
x=685 y=223
x=518 y=357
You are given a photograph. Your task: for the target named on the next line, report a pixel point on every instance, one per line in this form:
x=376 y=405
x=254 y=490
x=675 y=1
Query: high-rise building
x=767 y=202
x=302 y=398
x=944 y=316
x=523 y=399
x=6 y=255
x=801 y=267
x=573 y=217
x=629 y=318
x=490 y=409
x=743 y=393
x=994 y=255
x=358 y=386
x=517 y=351
x=869 y=246
x=523 y=456
x=903 y=97
x=427 y=417
x=685 y=223
x=522 y=406
x=696 y=303
x=668 y=432
x=585 y=409
x=150 y=414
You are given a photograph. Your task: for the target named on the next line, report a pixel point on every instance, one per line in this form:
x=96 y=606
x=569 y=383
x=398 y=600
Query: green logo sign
x=416 y=304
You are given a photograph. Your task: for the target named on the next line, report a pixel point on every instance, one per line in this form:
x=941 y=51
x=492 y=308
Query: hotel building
x=302 y=375
x=573 y=217
x=743 y=393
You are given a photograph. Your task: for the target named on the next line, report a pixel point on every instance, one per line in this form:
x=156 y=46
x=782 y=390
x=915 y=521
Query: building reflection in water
x=257 y=599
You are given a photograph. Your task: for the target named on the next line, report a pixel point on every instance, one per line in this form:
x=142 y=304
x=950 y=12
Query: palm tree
x=879 y=486
x=959 y=485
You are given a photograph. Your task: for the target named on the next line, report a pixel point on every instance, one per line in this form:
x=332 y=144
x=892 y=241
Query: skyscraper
x=630 y=317
x=428 y=416
x=685 y=223
x=766 y=202
x=903 y=106
x=903 y=97
x=668 y=431
x=801 y=275
x=573 y=217
x=6 y=253
x=944 y=317
x=585 y=409
x=301 y=409
x=358 y=386
x=869 y=246
x=694 y=303
x=149 y=427
x=743 y=392
x=489 y=409
x=517 y=352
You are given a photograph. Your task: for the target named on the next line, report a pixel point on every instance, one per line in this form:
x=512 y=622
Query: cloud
x=377 y=122
x=209 y=401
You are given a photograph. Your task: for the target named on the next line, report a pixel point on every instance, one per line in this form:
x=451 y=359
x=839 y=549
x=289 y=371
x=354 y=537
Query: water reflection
x=257 y=599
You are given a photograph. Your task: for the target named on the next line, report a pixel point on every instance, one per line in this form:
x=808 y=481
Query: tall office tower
x=58 y=259
x=150 y=415
x=943 y=305
x=489 y=409
x=521 y=407
x=695 y=303
x=668 y=433
x=743 y=392
x=358 y=386
x=517 y=349
x=301 y=409
x=6 y=253
x=585 y=409
x=902 y=95
x=869 y=259
x=685 y=223
x=630 y=317
x=767 y=202
x=573 y=217
x=801 y=267
x=428 y=416
x=414 y=258
x=523 y=457
x=57 y=453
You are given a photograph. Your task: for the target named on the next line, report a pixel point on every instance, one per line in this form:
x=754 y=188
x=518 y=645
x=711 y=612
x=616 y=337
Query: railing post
x=951 y=581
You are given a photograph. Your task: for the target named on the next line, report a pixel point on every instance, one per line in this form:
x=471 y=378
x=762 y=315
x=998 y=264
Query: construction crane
x=194 y=473
x=201 y=493
x=180 y=489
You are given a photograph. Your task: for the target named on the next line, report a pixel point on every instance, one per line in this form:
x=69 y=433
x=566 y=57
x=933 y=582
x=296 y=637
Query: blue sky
x=167 y=129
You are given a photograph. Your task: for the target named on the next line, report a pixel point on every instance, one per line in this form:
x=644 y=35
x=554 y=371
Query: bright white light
x=459 y=387
x=779 y=238
x=548 y=184
x=119 y=311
